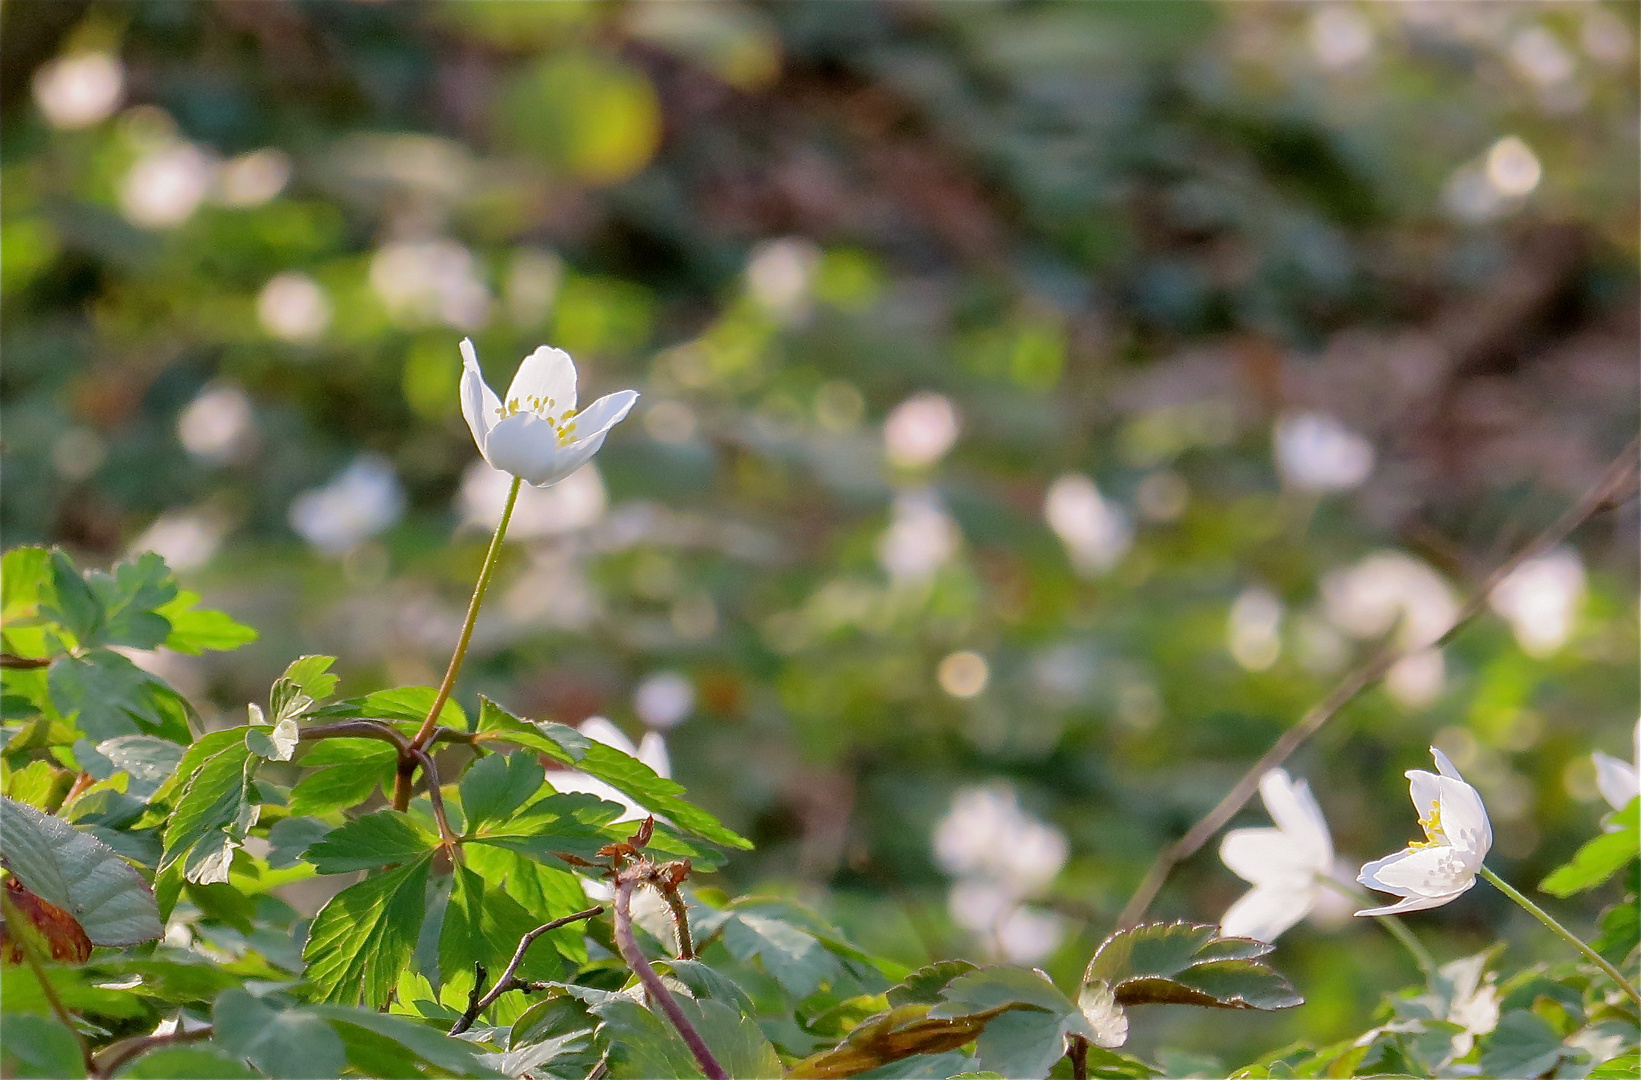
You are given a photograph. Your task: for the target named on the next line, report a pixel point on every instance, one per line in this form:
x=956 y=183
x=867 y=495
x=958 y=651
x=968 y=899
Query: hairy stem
x=401 y=786
x=31 y=954
x=509 y=980
x=1566 y=935
x=1618 y=477
x=680 y=921
x=628 y=944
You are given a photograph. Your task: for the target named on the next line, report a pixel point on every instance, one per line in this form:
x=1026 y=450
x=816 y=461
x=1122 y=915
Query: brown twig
x=19 y=933
x=625 y=940
x=1077 y=1051
x=112 y=1056
x=509 y=980
x=356 y=729
x=434 y=795
x=12 y=660
x=1619 y=475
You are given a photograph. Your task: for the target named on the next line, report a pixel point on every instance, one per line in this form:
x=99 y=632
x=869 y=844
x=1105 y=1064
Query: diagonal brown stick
x=1618 y=477
x=478 y=1000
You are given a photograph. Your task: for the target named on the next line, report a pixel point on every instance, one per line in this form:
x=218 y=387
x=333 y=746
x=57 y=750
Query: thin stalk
x=31 y=954
x=1566 y=935
x=657 y=990
x=401 y=785
x=479 y=1001
x=680 y=921
x=1394 y=925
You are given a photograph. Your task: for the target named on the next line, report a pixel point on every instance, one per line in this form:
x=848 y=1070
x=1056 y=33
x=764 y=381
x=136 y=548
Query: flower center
x=563 y=426
x=1432 y=826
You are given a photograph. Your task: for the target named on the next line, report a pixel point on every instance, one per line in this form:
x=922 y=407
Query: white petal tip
x=470 y=355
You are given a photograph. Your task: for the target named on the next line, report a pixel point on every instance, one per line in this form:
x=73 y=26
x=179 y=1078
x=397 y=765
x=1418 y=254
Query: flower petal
x=479 y=402
x=601 y=730
x=1464 y=819
x=1264 y=912
x=1412 y=903
x=603 y=414
x=545 y=374
x=1425 y=788
x=1444 y=766
x=1267 y=857
x=527 y=446
x=652 y=751
x=1431 y=871
x=1616 y=780
x=1294 y=809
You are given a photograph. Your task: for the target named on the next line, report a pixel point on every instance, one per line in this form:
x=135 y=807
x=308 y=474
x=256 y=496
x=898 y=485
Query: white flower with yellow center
x=537 y=434
x=1430 y=872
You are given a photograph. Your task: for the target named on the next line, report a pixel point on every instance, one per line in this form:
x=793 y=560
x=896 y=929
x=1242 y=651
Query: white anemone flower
x=537 y=435
x=1287 y=866
x=1617 y=780
x=1430 y=872
x=651 y=750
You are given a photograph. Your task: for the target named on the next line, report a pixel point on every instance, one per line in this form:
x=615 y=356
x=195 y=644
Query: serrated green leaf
x=37 y=784
x=148 y=759
x=1620 y=930
x=546 y=892
x=1225 y=984
x=72 y=604
x=290 y=838
x=1188 y=964
x=63 y=866
x=25 y=581
x=483 y=925
x=434 y=1047
x=794 y=957
x=37 y=1046
x=1022 y=1044
x=1624 y=1067
x=100 y=693
x=195 y=629
x=987 y=988
x=194 y=758
x=1523 y=1044
x=380 y=839
x=364 y=935
x=409 y=703
x=185 y=1063
x=1601 y=858
x=924 y=985
x=129 y=595
x=291 y=1043
x=213 y=815
x=339 y=787
x=298 y=692
x=641 y=1044
x=496 y=785
x=1151 y=949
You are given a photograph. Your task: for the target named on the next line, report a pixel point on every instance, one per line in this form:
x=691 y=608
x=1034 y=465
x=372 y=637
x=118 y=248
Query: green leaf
x=72 y=604
x=364 y=935
x=433 y=1047
x=546 y=892
x=987 y=988
x=1523 y=1044
x=276 y=742
x=194 y=630
x=621 y=771
x=25 y=581
x=1599 y=859
x=409 y=703
x=339 y=787
x=101 y=692
x=39 y=1047
x=147 y=759
x=1188 y=964
x=794 y=957
x=185 y=1063
x=199 y=1062
x=495 y=786
x=63 y=866
x=128 y=594
x=575 y=824
x=292 y=1043
x=483 y=925
x=306 y=682
x=194 y=758
x=379 y=839
x=643 y=1045
x=37 y=784
x=290 y=838
x=1620 y=930
x=924 y=985
x=1624 y=1067
x=1022 y=1044
x=213 y=815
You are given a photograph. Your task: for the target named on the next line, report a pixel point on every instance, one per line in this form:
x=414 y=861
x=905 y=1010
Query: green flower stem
x=1566 y=935
x=1395 y=926
x=401 y=786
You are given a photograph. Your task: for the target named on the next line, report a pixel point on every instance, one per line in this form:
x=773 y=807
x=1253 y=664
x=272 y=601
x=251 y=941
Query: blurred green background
x=1043 y=404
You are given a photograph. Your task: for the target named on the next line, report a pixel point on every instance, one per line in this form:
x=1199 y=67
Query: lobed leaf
x=364 y=935
x=77 y=873
x=380 y=839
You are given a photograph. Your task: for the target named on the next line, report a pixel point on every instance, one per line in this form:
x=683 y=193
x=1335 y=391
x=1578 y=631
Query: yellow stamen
x=1432 y=826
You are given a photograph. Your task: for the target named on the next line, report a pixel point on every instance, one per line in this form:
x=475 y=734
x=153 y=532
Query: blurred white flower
x=166 y=185
x=664 y=699
x=1540 y=598
x=920 y=539
x=1315 y=452
x=921 y=430
x=1027 y=935
x=1618 y=781
x=572 y=504
x=1417 y=679
x=651 y=750
x=538 y=436
x=254 y=178
x=1512 y=167
x=1287 y=866
x=293 y=307
x=431 y=281
x=1000 y=856
x=185 y=539
x=363 y=500
x=1539 y=56
x=532 y=286
x=78 y=91
x=1390 y=590
x=218 y=424
x=1428 y=873
x=1474 y=1004
x=1340 y=36
x=780 y=274
x=1096 y=533
x=1254 y=628
x=963 y=674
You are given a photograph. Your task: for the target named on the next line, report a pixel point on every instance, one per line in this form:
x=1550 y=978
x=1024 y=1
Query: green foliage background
x=1122 y=238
